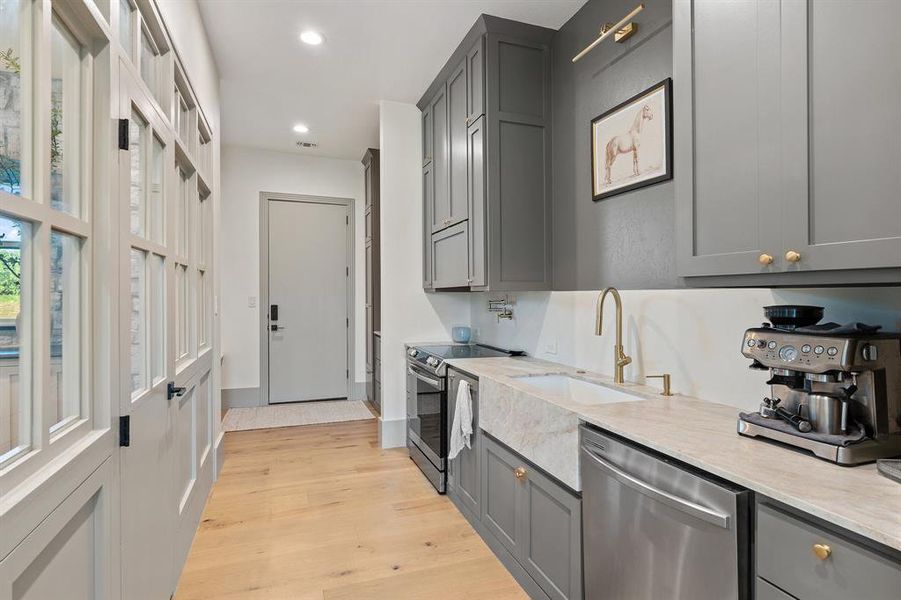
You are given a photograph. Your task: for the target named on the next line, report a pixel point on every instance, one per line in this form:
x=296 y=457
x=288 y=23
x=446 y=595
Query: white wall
x=693 y=334
x=245 y=173
x=408 y=313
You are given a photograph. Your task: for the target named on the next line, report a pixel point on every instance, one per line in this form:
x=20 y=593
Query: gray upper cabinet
x=491 y=159
x=458 y=209
x=428 y=191
x=475 y=77
x=450 y=257
x=797 y=185
x=440 y=200
x=426 y=135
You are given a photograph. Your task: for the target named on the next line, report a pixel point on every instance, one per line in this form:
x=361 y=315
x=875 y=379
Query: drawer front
x=768 y=591
x=785 y=557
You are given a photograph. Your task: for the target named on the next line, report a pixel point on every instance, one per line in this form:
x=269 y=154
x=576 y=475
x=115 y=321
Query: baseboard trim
x=241 y=397
x=392 y=433
x=220 y=454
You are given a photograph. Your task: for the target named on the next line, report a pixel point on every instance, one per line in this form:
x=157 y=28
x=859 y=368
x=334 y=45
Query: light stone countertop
x=696 y=432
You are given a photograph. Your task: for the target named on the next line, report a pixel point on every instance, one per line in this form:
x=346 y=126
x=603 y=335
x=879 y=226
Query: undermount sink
x=577 y=390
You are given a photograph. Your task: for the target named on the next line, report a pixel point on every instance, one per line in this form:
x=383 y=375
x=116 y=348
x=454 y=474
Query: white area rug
x=290 y=415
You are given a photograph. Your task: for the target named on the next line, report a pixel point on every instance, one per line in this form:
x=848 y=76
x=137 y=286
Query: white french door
x=146 y=297
x=167 y=468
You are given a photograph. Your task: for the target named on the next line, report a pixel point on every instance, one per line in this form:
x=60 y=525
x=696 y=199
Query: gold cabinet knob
x=520 y=473
x=765 y=259
x=822 y=551
x=793 y=256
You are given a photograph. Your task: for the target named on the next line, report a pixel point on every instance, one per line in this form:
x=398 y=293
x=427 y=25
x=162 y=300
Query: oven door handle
x=642 y=487
x=428 y=380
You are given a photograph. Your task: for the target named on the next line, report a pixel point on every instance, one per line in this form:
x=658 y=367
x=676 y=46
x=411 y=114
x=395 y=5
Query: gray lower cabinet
x=489 y=120
x=768 y=591
x=787 y=558
x=463 y=480
x=536 y=519
x=798 y=185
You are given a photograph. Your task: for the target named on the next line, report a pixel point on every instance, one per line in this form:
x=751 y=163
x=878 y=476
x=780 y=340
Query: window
x=184 y=123
x=126 y=26
x=182 y=212
x=158 y=318
x=138 y=321
x=181 y=309
x=65 y=330
x=150 y=63
x=15 y=338
x=66 y=119
x=157 y=204
x=136 y=128
x=15 y=95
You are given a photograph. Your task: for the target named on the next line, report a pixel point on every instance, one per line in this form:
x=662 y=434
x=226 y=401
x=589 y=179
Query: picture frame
x=632 y=143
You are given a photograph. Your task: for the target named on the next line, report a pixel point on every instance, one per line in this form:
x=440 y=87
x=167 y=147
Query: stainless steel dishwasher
x=654 y=529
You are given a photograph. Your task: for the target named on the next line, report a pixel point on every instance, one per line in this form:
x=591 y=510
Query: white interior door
x=148 y=516
x=308 y=280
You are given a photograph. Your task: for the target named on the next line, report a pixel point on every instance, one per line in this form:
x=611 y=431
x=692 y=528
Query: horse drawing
x=629 y=142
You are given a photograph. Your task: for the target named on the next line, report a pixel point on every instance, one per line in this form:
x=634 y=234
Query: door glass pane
x=157 y=318
x=13 y=94
x=157 y=203
x=149 y=62
x=138 y=320
x=201 y=308
x=126 y=25
x=183 y=124
x=65 y=328
x=65 y=120
x=182 y=212
x=136 y=127
x=15 y=338
x=181 y=290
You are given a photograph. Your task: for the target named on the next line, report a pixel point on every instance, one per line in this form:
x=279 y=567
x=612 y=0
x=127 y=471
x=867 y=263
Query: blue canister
x=461 y=335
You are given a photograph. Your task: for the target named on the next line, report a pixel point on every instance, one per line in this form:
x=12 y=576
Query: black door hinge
x=123 y=134
x=125 y=430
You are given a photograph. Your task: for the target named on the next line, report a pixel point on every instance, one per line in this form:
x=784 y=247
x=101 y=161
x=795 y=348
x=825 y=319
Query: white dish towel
x=461 y=427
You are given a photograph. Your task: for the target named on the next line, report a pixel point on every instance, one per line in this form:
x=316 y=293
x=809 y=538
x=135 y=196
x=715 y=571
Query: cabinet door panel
x=475 y=67
x=501 y=493
x=465 y=480
x=450 y=257
x=552 y=547
x=427 y=135
x=456 y=129
x=727 y=133
x=428 y=192
x=477 y=208
x=850 y=216
x=440 y=162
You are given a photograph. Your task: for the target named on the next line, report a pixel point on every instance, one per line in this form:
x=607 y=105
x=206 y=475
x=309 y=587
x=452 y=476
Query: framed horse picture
x=632 y=143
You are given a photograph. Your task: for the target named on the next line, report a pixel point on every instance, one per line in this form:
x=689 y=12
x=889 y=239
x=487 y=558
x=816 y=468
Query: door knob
x=822 y=551
x=793 y=256
x=520 y=473
x=765 y=259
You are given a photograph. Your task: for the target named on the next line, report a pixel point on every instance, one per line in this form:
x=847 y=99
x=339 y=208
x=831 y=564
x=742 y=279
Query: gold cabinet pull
x=793 y=256
x=520 y=473
x=765 y=259
x=822 y=551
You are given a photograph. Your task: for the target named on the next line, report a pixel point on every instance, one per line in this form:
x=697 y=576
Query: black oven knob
x=432 y=361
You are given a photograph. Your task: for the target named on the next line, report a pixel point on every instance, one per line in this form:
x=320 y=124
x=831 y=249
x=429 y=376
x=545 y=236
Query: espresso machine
x=835 y=390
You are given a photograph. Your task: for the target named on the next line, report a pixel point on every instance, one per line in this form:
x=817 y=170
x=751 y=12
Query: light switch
x=252 y=302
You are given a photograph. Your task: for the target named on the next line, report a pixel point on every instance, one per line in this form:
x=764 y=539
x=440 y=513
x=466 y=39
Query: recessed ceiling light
x=313 y=38
x=301 y=128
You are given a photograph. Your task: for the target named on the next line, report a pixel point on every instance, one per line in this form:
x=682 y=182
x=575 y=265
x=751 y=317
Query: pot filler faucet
x=620 y=359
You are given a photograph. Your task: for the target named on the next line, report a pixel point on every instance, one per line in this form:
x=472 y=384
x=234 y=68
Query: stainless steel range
x=427 y=403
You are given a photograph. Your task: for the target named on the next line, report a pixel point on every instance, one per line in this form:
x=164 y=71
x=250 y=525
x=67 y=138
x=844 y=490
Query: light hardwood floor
x=321 y=512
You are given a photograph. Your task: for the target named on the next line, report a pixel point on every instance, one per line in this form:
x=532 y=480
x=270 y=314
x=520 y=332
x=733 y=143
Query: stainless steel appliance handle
x=642 y=487
x=428 y=380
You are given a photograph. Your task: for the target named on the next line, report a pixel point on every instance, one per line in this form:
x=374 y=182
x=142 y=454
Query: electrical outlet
x=252 y=302
x=550 y=347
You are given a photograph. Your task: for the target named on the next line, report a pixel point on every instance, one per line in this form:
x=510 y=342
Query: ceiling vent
x=307 y=144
